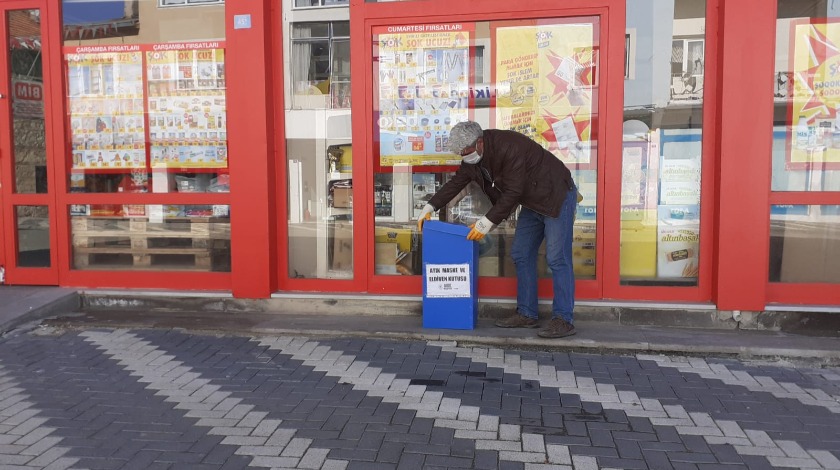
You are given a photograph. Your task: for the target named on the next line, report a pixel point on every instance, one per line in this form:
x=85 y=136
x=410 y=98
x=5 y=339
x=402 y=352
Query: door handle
x=2 y=96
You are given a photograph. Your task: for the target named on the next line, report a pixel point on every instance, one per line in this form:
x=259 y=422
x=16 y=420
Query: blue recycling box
x=450 y=277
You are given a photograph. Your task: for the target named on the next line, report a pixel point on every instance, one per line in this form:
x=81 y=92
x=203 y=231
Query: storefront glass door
x=540 y=76
x=28 y=205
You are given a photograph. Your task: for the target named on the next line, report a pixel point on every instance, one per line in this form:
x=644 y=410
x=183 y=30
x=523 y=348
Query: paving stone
x=614 y=403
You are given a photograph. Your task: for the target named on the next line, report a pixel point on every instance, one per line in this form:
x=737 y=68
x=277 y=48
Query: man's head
x=464 y=138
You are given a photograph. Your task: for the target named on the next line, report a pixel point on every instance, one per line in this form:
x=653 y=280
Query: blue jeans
x=531 y=229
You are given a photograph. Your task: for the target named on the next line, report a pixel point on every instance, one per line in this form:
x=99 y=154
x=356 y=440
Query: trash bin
x=450 y=277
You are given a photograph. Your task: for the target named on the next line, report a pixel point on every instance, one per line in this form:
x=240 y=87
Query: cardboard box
x=385 y=258
x=584 y=268
x=343 y=198
x=638 y=250
x=488 y=266
x=404 y=238
x=810 y=252
x=342 y=243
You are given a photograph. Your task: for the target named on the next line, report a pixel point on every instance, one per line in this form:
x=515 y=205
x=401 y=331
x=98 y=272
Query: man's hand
x=425 y=214
x=480 y=229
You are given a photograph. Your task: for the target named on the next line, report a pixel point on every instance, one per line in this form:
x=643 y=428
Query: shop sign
x=28 y=99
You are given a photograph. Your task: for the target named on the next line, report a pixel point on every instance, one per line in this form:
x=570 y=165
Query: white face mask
x=471 y=157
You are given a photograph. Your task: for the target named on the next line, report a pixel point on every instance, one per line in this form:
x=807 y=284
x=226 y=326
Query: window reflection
x=33 y=236
x=29 y=140
x=806 y=122
x=320 y=66
x=662 y=151
x=805 y=243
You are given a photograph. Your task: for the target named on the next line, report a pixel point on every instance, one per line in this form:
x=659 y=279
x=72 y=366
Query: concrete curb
x=659 y=315
x=553 y=344
x=586 y=345
x=40 y=307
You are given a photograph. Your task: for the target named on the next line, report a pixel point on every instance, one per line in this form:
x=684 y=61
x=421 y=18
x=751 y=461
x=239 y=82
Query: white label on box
x=448 y=280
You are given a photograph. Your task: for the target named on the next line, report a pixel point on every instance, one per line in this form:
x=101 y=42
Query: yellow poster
x=545 y=81
x=814 y=111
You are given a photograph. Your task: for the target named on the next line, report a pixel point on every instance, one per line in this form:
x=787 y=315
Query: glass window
x=805 y=243
x=320 y=153
x=430 y=77
x=320 y=66
x=320 y=3
x=151 y=237
x=178 y=3
x=147 y=105
x=662 y=151
x=33 y=236
x=29 y=140
x=806 y=120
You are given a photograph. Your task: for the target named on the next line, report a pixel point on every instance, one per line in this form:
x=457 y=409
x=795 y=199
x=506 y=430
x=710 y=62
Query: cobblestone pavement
x=158 y=399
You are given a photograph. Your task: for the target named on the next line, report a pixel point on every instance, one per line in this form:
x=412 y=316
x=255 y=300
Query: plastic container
x=450 y=277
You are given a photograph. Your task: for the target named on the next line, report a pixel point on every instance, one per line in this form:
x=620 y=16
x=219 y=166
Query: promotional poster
x=545 y=78
x=814 y=110
x=423 y=90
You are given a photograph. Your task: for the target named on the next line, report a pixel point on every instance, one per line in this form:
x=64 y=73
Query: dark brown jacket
x=518 y=171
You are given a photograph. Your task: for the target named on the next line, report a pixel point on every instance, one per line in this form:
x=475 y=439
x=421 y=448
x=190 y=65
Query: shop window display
x=662 y=149
x=151 y=237
x=804 y=244
x=542 y=83
x=146 y=114
x=147 y=111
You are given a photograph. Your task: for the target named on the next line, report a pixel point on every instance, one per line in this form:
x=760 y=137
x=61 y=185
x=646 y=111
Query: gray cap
x=463 y=135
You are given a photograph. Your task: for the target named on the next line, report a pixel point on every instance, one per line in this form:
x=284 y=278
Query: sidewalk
x=593 y=336
x=19 y=305
x=22 y=304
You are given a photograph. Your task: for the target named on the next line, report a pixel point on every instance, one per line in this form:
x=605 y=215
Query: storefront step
x=819 y=323
x=24 y=304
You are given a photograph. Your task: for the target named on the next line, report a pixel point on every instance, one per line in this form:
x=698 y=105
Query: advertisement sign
x=105 y=95
x=187 y=108
x=423 y=90
x=814 y=110
x=172 y=93
x=546 y=78
x=678 y=243
x=448 y=280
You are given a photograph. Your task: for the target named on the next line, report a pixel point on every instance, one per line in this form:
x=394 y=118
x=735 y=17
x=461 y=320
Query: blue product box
x=450 y=277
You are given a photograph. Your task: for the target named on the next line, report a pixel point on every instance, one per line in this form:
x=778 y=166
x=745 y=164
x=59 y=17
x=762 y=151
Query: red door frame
x=365 y=16
x=249 y=127
x=702 y=292
x=11 y=199
x=736 y=142
x=744 y=175
x=796 y=293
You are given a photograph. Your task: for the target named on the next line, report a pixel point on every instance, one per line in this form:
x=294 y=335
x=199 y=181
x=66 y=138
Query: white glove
x=480 y=229
x=425 y=214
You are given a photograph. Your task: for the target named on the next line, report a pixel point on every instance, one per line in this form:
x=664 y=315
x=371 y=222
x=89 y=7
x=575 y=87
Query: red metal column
x=250 y=124
x=745 y=127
